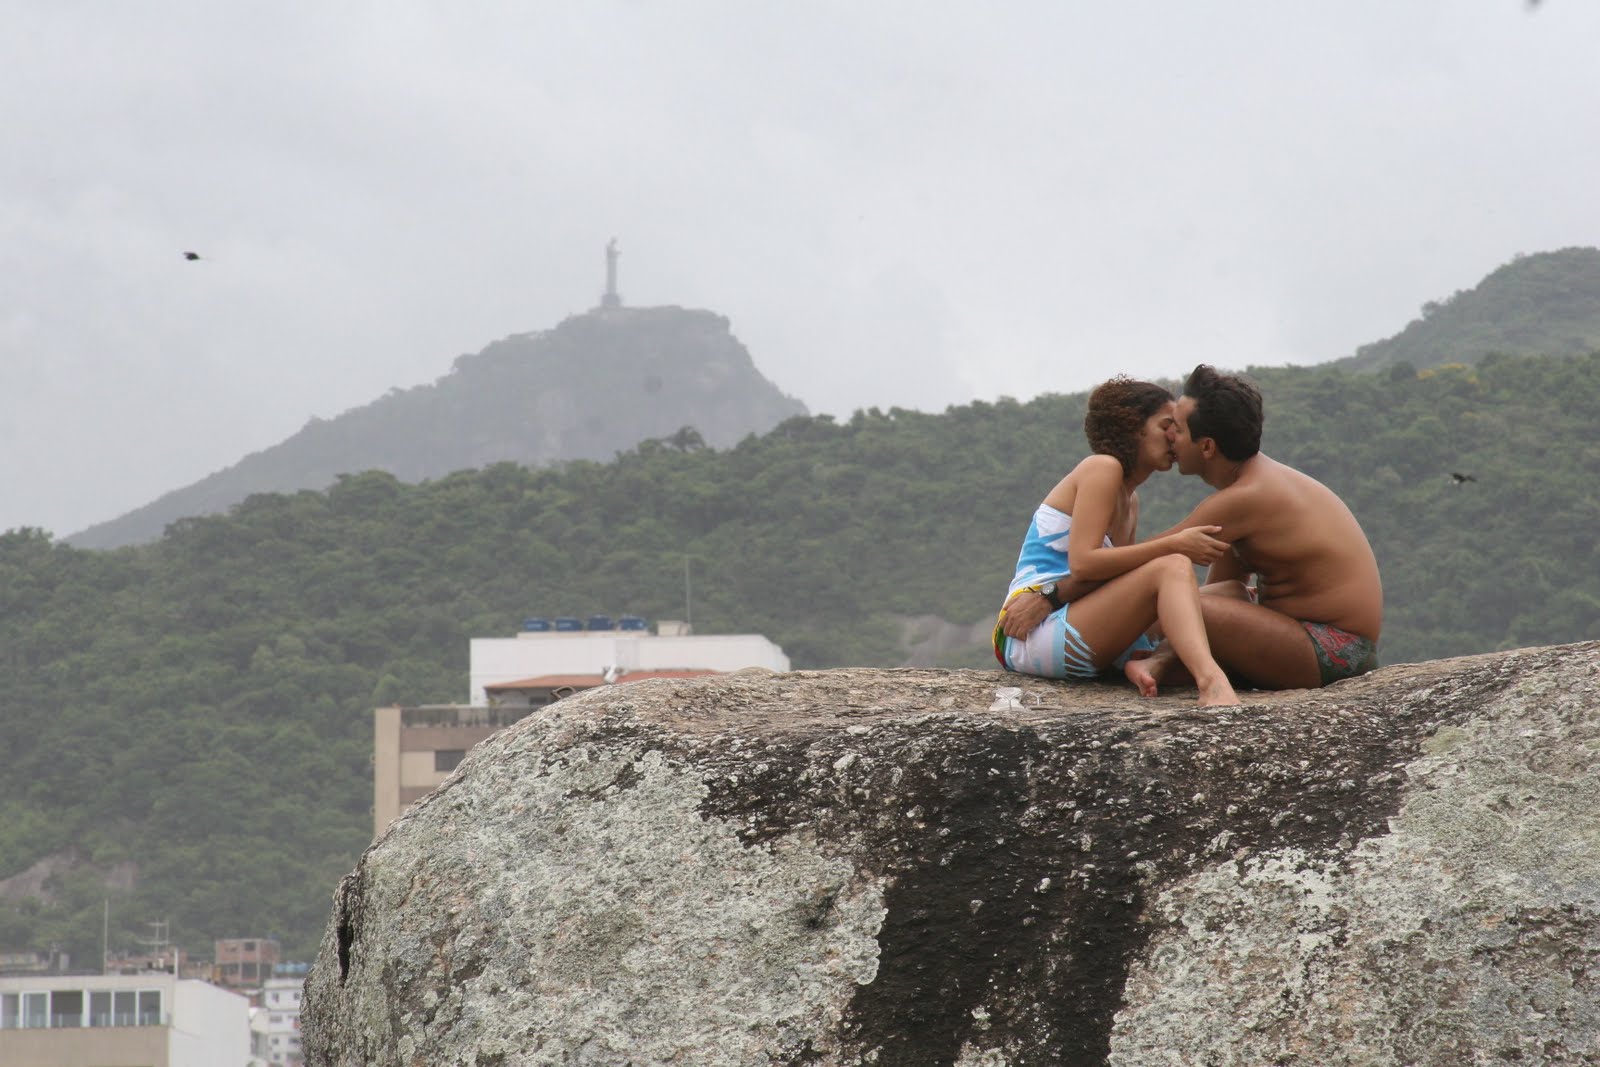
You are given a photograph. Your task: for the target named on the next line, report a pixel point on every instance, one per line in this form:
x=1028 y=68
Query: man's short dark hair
x=1227 y=409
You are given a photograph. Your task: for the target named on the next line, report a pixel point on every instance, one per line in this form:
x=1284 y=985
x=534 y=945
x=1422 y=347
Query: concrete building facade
x=494 y=660
x=280 y=1005
x=245 y=962
x=136 y=1020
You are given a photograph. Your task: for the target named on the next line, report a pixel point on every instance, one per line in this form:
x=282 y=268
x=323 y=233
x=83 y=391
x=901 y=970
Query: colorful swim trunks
x=1340 y=653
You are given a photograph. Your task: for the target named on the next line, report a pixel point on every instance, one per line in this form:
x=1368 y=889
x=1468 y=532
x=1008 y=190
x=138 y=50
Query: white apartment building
x=499 y=660
x=121 y=1020
x=280 y=1021
x=416 y=748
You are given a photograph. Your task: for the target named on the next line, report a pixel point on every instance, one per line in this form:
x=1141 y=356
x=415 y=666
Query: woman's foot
x=1217 y=691
x=1139 y=673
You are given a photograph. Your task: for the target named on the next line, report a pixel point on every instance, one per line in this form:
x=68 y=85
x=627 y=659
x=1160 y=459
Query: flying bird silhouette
x=1459 y=478
x=191 y=256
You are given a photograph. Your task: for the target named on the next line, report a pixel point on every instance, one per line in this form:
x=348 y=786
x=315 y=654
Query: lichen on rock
x=1470 y=933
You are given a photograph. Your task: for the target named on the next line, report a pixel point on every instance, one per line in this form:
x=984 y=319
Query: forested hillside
x=1543 y=304
x=592 y=386
x=193 y=715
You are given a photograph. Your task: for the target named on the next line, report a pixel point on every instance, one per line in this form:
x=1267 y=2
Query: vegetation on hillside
x=592 y=386
x=199 y=709
x=1544 y=304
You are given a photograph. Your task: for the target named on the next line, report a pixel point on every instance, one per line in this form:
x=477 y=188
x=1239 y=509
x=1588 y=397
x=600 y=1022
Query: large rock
x=926 y=868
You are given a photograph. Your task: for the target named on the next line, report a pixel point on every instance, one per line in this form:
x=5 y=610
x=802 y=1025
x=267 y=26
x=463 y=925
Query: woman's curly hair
x=1117 y=412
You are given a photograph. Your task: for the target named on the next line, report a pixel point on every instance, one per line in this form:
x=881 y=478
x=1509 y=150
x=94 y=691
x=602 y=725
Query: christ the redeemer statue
x=611 y=299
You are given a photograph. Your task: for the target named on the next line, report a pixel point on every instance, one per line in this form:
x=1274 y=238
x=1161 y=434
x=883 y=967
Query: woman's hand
x=1200 y=544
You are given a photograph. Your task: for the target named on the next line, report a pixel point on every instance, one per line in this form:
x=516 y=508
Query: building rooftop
x=589 y=681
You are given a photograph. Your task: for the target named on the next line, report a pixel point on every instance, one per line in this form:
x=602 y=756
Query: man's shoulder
x=1274 y=480
x=1253 y=495
x=1265 y=476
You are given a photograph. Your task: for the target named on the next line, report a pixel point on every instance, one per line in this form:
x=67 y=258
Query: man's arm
x=1025 y=611
x=1230 y=509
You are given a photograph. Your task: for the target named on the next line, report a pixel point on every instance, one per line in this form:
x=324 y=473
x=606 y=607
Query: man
x=1296 y=603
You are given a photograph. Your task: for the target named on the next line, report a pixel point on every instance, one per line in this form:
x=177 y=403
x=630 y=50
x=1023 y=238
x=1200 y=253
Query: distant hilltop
x=597 y=384
x=1545 y=304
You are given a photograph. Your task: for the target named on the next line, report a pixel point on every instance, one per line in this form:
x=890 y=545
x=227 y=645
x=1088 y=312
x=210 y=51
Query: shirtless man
x=1297 y=603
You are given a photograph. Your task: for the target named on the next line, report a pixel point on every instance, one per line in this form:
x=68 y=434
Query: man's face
x=1189 y=457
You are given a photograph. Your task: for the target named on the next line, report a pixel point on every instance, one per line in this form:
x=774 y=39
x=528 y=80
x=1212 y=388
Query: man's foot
x=1139 y=673
x=1218 y=693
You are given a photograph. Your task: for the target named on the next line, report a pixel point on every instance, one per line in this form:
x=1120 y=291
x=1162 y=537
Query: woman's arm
x=1092 y=561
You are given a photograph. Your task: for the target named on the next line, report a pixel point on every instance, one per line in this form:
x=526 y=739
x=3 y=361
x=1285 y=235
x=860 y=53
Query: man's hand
x=1023 y=613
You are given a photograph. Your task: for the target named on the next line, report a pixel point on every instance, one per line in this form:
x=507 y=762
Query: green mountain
x=1545 y=304
x=594 y=385
x=187 y=724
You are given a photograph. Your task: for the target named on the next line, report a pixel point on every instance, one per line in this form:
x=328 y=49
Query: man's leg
x=1257 y=646
x=1264 y=648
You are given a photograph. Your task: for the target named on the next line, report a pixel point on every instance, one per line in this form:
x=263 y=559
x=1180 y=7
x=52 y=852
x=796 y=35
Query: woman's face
x=1157 y=437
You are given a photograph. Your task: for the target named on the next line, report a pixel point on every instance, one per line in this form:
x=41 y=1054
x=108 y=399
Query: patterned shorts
x=1340 y=653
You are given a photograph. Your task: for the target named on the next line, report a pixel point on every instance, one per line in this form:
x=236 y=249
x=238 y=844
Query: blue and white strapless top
x=1044 y=549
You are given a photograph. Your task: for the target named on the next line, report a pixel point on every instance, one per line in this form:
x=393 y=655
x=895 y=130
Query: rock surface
x=925 y=868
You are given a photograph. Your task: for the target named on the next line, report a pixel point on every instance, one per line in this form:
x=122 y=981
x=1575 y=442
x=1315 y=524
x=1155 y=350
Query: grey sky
x=896 y=203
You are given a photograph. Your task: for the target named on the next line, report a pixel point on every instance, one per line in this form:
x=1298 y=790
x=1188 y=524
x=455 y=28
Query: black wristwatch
x=1048 y=591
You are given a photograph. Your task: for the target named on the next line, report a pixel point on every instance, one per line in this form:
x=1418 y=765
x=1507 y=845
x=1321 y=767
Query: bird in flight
x=191 y=256
x=1459 y=478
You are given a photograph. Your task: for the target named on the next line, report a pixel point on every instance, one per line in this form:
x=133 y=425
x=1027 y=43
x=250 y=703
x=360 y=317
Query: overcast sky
x=896 y=203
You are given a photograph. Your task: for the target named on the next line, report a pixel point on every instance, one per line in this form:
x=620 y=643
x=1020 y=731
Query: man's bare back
x=1312 y=559
x=1297 y=601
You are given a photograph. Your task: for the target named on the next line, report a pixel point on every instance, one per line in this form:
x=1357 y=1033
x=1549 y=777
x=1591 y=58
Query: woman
x=1090 y=519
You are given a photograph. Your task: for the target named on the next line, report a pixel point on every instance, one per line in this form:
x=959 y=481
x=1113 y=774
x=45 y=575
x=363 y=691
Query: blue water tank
x=599 y=622
x=535 y=625
x=568 y=623
x=632 y=622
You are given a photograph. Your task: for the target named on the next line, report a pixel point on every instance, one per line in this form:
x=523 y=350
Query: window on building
x=249 y=946
x=100 y=1007
x=10 y=1011
x=448 y=759
x=66 y=1007
x=123 y=1005
x=35 y=1009
x=149 y=1007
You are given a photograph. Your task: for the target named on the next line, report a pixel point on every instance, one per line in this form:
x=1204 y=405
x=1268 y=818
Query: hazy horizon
x=895 y=205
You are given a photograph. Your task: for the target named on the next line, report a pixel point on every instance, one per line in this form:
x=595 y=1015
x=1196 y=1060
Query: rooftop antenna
x=157 y=942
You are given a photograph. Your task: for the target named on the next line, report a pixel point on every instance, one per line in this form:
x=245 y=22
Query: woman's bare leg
x=1113 y=616
x=1162 y=666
